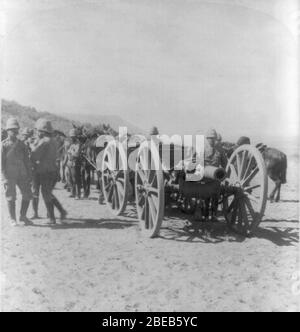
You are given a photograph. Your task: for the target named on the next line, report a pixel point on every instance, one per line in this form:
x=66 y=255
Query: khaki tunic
x=214 y=156
x=16 y=169
x=43 y=156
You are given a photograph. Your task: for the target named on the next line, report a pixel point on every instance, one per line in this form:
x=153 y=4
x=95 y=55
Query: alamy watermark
x=172 y=150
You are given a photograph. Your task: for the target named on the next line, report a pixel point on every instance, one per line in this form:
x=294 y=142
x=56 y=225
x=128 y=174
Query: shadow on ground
x=217 y=232
x=91 y=223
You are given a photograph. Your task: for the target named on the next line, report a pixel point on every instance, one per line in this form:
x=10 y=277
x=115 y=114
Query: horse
x=276 y=165
x=229 y=147
x=275 y=161
x=90 y=152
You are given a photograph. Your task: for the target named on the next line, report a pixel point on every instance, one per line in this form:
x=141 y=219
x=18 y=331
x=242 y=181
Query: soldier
x=215 y=156
x=74 y=161
x=16 y=171
x=44 y=155
x=36 y=185
x=26 y=136
x=219 y=141
x=154 y=131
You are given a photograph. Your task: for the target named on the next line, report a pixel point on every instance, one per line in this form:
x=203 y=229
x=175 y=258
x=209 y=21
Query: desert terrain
x=97 y=262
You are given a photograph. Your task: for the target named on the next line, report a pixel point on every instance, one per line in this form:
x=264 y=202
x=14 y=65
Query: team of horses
x=88 y=156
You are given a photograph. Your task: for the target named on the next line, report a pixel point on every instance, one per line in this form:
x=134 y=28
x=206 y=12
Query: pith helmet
x=243 y=140
x=12 y=123
x=26 y=131
x=154 y=131
x=73 y=132
x=44 y=125
x=211 y=134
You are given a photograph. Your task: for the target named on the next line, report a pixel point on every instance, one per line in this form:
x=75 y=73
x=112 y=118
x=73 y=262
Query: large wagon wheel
x=246 y=189
x=115 y=177
x=149 y=189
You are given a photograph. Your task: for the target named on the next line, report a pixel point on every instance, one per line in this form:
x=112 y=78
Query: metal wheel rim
x=149 y=190
x=115 y=177
x=246 y=170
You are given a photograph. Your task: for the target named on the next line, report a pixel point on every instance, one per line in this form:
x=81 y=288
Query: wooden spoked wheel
x=149 y=189
x=246 y=189
x=115 y=177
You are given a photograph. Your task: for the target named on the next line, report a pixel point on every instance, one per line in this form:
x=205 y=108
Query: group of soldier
x=29 y=162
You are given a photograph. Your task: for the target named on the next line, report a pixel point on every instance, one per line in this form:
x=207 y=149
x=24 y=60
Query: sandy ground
x=97 y=262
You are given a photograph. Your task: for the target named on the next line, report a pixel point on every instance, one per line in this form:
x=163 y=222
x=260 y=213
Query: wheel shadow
x=201 y=232
x=279 y=221
x=280 y=236
x=218 y=232
x=288 y=201
x=183 y=227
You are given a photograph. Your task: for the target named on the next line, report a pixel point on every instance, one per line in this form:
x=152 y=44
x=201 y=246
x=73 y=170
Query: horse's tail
x=284 y=170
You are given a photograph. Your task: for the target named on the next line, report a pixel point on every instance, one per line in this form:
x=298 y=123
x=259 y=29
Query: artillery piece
x=241 y=188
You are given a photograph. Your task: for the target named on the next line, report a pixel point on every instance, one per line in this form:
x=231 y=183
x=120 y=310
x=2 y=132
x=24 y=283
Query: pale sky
x=183 y=65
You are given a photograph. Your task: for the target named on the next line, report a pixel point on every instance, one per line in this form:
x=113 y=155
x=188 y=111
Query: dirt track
x=96 y=262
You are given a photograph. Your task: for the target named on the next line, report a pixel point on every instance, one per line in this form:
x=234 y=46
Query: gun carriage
x=241 y=188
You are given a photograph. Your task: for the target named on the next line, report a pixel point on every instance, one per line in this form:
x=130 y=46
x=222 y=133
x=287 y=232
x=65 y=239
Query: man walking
x=43 y=156
x=16 y=171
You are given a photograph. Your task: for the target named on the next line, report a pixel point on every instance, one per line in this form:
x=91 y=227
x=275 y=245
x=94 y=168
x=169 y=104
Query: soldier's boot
x=101 y=199
x=35 y=206
x=73 y=191
x=12 y=212
x=23 y=212
x=62 y=211
x=50 y=210
x=78 y=194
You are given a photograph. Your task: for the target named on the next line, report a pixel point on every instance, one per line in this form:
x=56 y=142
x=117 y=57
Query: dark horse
x=89 y=153
x=276 y=164
x=275 y=161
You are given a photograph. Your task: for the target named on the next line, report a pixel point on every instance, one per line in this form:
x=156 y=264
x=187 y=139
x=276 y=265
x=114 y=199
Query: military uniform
x=214 y=156
x=16 y=172
x=44 y=156
x=26 y=136
x=15 y=169
x=74 y=162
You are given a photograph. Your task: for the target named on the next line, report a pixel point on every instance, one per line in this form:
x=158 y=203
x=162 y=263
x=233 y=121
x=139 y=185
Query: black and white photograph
x=150 y=158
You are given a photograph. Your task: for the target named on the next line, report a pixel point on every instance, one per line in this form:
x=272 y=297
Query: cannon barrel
x=214 y=173
x=201 y=189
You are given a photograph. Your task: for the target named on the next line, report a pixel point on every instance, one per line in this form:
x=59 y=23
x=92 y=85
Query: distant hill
x=115 y=121
x=27 y=117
